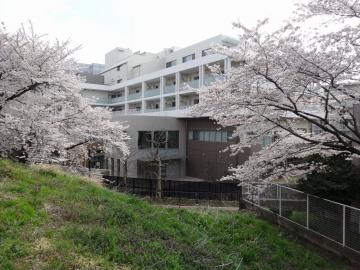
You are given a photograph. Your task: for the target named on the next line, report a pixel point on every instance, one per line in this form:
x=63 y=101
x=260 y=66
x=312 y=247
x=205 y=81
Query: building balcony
x=134 y=96
x=152 y=110
x=169 y=89
x=117 y=100
x=119 y=112
x=189 y=84
x=208 y=80
x=172 y=108
x=152 y=93
x=184 y=107
x=134 y=110
x=99 y=101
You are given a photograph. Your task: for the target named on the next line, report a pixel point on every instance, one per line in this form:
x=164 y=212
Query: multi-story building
x=153 y=93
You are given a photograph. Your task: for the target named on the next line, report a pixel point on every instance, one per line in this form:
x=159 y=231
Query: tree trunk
x=158 y=181
x=89 y=160
x=125 y=175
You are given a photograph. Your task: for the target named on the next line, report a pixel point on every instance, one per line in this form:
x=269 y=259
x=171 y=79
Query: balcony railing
x=99 y=101
x=117 y=100
x=184 y=107
x=152 y=92
x=119 y=112
x=189 y=84
x=208 y=79
x=152 y=110
x=134 y=96
x=172 y=108
x=134 y=110
x=168 y=89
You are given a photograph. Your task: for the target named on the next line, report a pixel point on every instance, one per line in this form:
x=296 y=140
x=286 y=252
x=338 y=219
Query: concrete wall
x=150 y=123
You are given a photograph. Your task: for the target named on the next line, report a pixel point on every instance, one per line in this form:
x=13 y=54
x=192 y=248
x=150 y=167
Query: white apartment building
x=152 y=93
x=156 y=84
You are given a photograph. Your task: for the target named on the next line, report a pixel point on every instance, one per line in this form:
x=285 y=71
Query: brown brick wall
x=206 y=160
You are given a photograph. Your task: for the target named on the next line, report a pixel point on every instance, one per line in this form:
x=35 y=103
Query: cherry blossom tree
x=43 y=117
x=305 y=73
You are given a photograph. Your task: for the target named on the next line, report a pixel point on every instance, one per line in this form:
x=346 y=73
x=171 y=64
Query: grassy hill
x=53 y=220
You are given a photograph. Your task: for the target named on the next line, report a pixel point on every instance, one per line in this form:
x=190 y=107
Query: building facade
x=152 y=93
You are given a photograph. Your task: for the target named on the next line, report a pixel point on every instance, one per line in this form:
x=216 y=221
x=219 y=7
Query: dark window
x=173 y=139
x=229 y=135
x=196 y=135
x=210 y=135
x=206 y=52
x=224 y=136
x=171 y=64
x=159 y=139
x=188 y=57
x=144 y=139
x=119 y=81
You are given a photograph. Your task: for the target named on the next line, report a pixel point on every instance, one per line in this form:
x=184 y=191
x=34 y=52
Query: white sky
x=146 y=25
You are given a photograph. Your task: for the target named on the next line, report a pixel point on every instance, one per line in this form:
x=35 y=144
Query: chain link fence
x=335 y=221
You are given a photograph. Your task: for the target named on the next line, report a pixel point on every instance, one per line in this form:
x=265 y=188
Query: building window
x=188 y=58
x=210 y=135
x=224 y=136
x=206 y=52
x=173 y=139
x=144 y=139
x=159 y=139
x=171 y=64
x=119 y=81
x=191 y=135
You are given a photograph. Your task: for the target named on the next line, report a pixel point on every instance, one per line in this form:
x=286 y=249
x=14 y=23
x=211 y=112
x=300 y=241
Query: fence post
x=279 y=200
x=344 y=211
x=307 y=211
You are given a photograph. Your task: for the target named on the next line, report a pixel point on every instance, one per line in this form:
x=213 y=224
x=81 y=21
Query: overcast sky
x=146 y=25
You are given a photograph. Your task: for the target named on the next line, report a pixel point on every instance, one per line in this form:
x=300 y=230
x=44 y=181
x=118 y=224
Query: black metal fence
x=220 y=191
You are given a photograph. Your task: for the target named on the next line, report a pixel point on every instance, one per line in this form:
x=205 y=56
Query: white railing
x=134 y=111
x=335 y=221
x=152 y=110
x=119 y=112
x=99 y=101
x=168 y=89
x=117 y=99
x=152 y=93
x=134 y=96
x=184 y=107
x=209 y=79
x=189 y=84
x=169 y=108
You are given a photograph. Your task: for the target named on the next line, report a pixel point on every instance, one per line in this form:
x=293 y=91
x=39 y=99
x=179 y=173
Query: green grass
x=53 y=220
